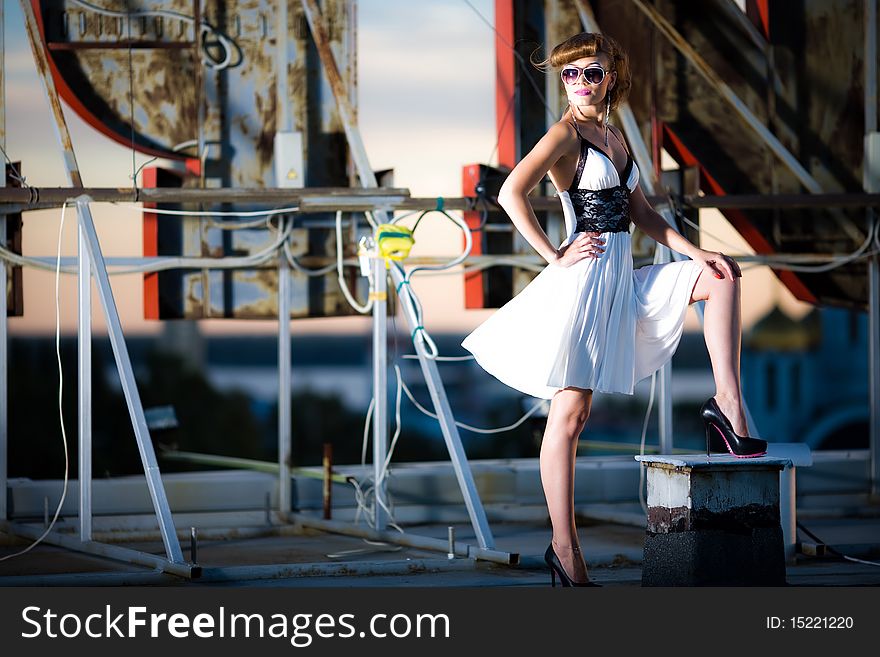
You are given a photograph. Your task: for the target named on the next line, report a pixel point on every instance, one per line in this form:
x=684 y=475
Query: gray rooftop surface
x=316 y=559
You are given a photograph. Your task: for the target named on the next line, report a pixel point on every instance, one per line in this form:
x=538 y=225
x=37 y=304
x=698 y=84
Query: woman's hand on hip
x=720 y=265
x=585 y=245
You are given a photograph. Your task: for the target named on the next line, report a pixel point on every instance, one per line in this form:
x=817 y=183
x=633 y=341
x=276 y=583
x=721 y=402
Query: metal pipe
x=15 y=199
x=284 y=386
x=380 y=391
x=337 y=197
x=84 y=391
x=874 y=360
x=193 y=545
x=409 y=540
x=521 y=259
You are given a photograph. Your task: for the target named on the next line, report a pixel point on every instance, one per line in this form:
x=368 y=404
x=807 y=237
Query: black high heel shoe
x=721 y=437
x=557 y=569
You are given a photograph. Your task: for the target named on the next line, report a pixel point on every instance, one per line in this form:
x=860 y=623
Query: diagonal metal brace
x=129 y=386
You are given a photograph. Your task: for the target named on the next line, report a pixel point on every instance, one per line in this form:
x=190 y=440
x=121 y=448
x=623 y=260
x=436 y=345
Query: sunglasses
x=593 y=74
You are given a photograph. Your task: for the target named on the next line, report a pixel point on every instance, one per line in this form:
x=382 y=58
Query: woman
x=589 y=321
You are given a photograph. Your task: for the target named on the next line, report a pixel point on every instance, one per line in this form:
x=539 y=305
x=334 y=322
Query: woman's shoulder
x=562 y=131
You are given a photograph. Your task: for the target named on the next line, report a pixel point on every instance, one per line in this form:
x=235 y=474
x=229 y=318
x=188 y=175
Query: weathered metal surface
x=44 y=70
x=796 y=78
x=113 y=89
x=153 y=83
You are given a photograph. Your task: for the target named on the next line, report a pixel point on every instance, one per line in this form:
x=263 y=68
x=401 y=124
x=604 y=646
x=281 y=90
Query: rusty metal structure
x=766 y=102
x=232 y=90
x=256 y=100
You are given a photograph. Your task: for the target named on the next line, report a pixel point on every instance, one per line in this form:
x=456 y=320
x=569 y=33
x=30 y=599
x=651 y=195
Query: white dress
x=598 y=324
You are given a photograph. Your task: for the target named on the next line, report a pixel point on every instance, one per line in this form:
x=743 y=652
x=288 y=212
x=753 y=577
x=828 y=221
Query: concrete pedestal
x=713 y=521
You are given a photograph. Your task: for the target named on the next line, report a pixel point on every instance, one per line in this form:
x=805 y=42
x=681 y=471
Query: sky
x=426 y=108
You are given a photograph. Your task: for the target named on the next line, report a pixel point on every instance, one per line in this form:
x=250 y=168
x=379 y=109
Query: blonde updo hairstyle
x=587 y=44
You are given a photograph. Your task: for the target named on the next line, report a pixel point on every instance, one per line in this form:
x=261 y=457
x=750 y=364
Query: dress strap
x=582 y=161
x=576 y=129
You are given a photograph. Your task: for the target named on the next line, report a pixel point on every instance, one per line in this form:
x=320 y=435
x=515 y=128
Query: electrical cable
x=779 y=262
x=831 y=549
x=509 y=427
x=60 y=396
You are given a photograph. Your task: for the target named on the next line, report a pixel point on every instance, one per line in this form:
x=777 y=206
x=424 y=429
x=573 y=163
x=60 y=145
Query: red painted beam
x=758 y=12
x=738 y=219
x=150 y=178
x=505 y=84
x=473 y=282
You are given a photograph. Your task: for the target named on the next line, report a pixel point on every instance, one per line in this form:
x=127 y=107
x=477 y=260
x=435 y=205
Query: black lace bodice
x=600 y=210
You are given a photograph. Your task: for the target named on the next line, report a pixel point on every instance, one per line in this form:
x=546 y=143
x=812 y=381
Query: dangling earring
x=607 y=114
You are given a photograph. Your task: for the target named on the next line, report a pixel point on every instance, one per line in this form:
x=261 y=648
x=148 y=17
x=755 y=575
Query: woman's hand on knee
x=720 y=265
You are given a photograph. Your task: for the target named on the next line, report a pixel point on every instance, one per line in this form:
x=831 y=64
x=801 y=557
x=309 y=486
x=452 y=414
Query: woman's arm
x=513 y=197
x=656 y=227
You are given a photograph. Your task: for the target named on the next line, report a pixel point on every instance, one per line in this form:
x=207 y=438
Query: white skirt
x=598 y=325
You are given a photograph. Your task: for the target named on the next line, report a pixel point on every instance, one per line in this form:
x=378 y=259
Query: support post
x=380 y=391
x=284 y=375
x=4 y=338
x=871 y=182
x=84 y=393
x=874 y=383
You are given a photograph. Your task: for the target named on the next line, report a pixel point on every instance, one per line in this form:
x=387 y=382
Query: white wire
x=778 y=263
x=363 y=309
x=509 y=427
x=870 y=563
x=228 y=44
x=60 y=394
x=206 y=213
x=171 y=262
x=305 y=270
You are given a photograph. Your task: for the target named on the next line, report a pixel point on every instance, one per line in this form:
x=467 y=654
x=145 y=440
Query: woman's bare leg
x=722 y=328
x=568 y=414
